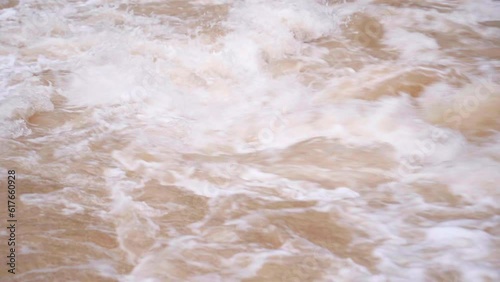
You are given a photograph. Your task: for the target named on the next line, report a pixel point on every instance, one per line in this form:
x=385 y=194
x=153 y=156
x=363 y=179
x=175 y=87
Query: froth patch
x=292 y=24
x=412 y=45
x=99 y=85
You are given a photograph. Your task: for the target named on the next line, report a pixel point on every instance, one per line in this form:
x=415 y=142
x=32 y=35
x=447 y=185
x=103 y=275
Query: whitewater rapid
x=252 y=140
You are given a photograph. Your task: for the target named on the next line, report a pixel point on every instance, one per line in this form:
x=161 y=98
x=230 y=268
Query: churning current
x=251 y=140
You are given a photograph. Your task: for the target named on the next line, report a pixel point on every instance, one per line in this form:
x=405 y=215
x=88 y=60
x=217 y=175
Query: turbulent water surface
x=252 y=140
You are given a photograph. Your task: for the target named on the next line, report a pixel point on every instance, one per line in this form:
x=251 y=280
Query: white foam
x=412 y=45
x=161 y=91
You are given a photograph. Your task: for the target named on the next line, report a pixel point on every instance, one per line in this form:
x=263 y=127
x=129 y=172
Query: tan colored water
x=252 y=140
